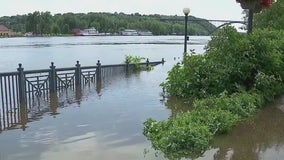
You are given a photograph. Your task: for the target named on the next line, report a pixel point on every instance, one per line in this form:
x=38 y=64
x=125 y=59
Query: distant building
x=5 y=32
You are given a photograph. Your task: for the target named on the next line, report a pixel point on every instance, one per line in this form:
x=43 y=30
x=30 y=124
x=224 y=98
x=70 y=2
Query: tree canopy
x=46 y=23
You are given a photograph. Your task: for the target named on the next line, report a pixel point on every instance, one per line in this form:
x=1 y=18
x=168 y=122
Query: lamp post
x=186 y=12
x=250 y=21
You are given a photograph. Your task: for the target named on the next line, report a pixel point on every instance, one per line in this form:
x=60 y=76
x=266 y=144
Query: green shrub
x=240 y=104
x=190 y=133
x=237 y=75
x=136 y=60
x=178 y=136
x=268 y=86
x=218 y=121
x=231 y=62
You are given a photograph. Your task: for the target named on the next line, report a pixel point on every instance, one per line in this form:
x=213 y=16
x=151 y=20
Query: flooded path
x=109 y=125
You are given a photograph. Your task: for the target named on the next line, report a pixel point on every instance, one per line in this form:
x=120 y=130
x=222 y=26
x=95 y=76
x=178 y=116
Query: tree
x=45 y=22
x=32 y=22
x=272 y=18
x=65 y=29
x=55 y=29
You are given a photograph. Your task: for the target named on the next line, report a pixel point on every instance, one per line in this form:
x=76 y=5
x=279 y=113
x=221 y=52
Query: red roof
x=3 y=28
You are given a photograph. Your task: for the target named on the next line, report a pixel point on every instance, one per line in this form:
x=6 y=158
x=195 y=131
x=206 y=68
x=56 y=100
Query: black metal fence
x=22 y=92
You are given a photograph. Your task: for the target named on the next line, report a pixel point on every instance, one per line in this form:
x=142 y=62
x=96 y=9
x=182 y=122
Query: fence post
x=78 y=74
x=99 y=71
x=22 y=87
x=163 y=60
x=52 y=78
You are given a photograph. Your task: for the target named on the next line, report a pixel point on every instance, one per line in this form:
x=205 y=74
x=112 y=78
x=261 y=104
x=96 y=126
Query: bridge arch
x=226 y=24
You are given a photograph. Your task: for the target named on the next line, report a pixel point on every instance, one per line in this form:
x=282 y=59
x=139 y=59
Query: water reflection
x=18 y=116
x=79 y=146
x=258 y=138
x=54 y=103
x=14 y=119
x=103 y=123
x=23 y=116
x=33 y=110
x=178 y=105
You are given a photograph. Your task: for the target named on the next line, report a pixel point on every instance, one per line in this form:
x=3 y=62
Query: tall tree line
x=45 y=23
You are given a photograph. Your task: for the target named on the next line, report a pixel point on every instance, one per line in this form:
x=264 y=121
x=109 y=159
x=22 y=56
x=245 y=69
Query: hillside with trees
x=45 y=23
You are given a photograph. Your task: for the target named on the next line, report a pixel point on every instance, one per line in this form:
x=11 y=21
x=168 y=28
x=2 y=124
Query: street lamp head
x=186 y=11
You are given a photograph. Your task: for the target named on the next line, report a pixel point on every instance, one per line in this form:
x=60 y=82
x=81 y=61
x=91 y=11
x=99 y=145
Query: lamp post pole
x=186 y=12
x=250 y=20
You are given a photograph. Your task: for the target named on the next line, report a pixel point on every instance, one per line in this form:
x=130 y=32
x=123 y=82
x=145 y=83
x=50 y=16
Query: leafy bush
x=136 y=60
x=237 y=75
x=240 y=104
x=268 y=86
x=178 y=136
x=218 y=121
x=231 y=63
x=190 y=133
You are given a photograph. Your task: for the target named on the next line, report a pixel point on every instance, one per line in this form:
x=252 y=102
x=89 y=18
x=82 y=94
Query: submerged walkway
x=25 y=95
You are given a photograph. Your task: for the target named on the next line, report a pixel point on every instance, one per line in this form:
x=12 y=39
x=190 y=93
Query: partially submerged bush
x=177 y=136
x=240 y=104
x=136 y=60
x=237 y=75
x=191 y=132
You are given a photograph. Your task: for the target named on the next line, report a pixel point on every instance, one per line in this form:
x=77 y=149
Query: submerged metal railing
x=23 y=92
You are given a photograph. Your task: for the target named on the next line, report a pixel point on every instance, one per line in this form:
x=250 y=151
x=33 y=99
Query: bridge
x=225 y=22
x=27 y=95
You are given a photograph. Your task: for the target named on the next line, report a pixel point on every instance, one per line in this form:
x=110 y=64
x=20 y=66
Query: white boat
x=145 y=33
x=129 y=32
x=90 y=32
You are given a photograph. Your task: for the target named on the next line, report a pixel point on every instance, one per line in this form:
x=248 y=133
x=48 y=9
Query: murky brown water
x=258 y=138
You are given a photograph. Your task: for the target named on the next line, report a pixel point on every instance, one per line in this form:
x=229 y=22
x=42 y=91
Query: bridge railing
x=22 y=92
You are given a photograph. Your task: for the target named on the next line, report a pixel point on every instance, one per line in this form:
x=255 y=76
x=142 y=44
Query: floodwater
x=108 y=125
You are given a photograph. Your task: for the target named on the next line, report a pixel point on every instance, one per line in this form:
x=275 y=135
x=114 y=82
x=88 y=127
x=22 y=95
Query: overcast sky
x=209 y=9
